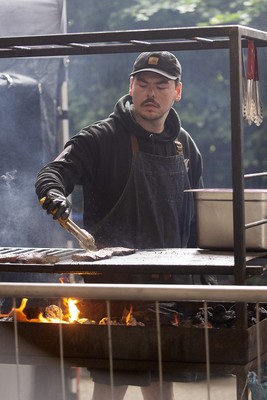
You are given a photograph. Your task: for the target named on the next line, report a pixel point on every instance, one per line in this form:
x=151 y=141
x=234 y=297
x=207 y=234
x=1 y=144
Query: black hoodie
x=99 y=159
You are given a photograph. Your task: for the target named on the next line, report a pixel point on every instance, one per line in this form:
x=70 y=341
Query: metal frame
x=232 y=37
x=190 y=38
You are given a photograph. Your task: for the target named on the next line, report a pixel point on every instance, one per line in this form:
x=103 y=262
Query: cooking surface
x=178 y=261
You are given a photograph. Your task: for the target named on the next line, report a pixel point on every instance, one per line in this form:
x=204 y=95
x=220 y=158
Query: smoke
x=22 y=148
x=8 y=178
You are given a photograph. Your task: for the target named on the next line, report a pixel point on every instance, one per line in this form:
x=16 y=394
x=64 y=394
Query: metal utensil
x=244 y=89
x=252 y=108
x=86 y=240
x=250 y=101
x=258 y=103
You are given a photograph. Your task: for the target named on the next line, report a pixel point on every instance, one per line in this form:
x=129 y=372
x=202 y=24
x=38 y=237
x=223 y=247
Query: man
x=134 y=167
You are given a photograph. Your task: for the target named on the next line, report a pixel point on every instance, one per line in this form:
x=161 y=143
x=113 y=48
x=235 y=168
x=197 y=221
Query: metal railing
x=144 y=292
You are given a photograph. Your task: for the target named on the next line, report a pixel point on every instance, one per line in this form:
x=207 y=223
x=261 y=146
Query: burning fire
x=52 y=314
x=74 y=312
x=128 y=316
x=70 y=315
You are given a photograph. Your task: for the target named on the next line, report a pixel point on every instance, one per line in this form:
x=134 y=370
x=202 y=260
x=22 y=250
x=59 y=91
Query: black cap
x=161 y=62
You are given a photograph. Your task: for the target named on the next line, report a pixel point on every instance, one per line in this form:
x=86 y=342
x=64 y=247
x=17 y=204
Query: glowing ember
x=176 y=321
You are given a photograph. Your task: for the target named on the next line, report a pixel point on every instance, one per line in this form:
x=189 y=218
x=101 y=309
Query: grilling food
x=102 y=254
x=35 y=257
x=29 y=258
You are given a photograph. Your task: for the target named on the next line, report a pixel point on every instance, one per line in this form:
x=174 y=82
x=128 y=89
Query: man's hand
x=57 y=204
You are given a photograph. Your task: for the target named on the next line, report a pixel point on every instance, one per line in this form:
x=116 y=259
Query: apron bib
x=153 y=210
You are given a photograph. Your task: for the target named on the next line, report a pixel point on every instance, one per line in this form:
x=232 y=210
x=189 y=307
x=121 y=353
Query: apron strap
x=135 y=145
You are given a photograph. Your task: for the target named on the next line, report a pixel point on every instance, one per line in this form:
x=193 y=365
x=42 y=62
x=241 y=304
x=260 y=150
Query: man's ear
x=178 y=91
x=130 y=86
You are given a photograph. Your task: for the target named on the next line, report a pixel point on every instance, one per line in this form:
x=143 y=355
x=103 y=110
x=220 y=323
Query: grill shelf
x=159 y=261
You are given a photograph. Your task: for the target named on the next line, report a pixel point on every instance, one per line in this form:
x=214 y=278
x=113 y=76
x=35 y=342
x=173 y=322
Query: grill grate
x=62 y=253
x=60 y=265
x=145 y=262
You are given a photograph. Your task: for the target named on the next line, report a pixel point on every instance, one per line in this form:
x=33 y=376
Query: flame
x=71 y=316
x=56 y=316
x=74 y=312
x=20 y=316
x=19 y=311
x=128 y=317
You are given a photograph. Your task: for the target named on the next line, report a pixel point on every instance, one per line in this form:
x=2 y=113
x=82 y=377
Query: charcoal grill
x=135 y=348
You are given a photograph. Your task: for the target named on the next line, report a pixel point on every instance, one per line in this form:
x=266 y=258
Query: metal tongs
x=258 y=103
x=244 y=89
x=252 y=107
x=86 y=240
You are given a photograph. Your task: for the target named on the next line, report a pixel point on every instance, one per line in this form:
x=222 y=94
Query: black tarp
x=30 y=127
x=20 y=158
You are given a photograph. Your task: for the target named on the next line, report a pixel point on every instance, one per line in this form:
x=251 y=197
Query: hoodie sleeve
x=67 y=169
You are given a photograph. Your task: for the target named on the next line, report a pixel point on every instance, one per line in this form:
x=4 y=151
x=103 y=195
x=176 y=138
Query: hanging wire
x=62 y=370
x=159 y=350
x=78 y=380
x=110 y=351
x=16 y=348
x=258 y=348
x=207 y=348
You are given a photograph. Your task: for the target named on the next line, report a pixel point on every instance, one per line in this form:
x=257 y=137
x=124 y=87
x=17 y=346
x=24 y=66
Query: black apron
x=153 y=210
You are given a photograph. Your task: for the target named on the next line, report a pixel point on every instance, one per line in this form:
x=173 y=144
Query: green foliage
x=209 y=12
x=143 y=10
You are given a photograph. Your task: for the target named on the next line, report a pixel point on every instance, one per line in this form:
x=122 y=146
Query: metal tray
x=214 y=218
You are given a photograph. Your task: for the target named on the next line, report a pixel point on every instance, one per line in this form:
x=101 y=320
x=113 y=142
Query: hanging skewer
x=258 y=103
x=244 y=88
x=252 y=105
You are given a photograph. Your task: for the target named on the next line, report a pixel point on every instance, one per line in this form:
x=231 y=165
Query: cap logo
x=153 y=60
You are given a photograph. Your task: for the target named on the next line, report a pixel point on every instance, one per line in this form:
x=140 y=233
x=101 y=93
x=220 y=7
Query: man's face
x=153 y=95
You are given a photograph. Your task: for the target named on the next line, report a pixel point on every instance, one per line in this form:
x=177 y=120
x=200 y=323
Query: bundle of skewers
x=252 y=104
